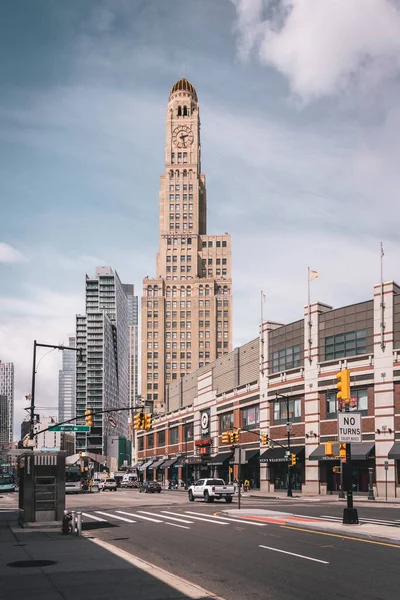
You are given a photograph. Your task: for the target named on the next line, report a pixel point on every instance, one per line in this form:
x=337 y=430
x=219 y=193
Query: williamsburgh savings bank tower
x=187 y=307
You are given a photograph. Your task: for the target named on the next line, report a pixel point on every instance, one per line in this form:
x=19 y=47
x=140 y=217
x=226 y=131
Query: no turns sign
x=349 y=425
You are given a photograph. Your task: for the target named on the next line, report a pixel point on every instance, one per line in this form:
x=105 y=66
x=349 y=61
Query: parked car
x=108 y=484
x=210 y=490
x=150 y=486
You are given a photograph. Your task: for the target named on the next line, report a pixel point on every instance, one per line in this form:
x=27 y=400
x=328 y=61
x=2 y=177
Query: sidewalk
x=80 y=569
x=382 y=533
x=316 y=498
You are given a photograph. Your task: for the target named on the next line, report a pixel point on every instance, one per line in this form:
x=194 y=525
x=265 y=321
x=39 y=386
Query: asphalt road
x=239 y=560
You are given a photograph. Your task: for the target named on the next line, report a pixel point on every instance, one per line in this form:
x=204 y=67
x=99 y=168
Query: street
x=240 y=559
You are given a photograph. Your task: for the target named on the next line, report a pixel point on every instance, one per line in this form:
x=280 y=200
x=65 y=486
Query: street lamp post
x=288 y=429
x=32 y=398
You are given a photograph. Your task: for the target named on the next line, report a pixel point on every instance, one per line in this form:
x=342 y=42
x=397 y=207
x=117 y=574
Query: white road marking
x=188 y=512
x=93 y=517
x=176 y=525
x=99 y=512
x=196 y=518
x=121 y=512
x=166 y=517
x=186 y=588
x=324 y=562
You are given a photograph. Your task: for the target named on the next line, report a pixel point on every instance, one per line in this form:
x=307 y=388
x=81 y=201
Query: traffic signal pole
x=240 y=476
x=350 y=514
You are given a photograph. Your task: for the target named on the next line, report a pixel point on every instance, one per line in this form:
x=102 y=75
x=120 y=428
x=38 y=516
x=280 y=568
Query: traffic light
x=343 y=385
x=235 y=437
x=336 y=469
x=264 y=439
x=342 y=450
x=226 y=437
x=89 y=417
x=329 y=449
x=137 y=421
x=293 y=460
x=147 y=421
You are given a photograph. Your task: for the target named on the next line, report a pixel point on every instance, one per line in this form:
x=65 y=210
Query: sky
x=300 y=112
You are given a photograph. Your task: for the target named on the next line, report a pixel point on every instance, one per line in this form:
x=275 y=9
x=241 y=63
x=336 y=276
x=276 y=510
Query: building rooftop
x=185 y=86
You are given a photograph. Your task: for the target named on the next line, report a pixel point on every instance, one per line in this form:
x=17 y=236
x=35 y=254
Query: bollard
x=73 y=522
x=79 y=523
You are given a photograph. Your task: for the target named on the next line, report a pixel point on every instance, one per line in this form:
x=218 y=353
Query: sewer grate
x=32 y=563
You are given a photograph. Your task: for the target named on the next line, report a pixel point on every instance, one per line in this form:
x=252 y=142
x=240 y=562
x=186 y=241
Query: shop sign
x=205 y=423
x=206 y=442
x=274 y=460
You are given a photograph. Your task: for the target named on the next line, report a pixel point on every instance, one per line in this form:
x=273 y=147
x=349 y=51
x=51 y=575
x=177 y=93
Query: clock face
x=182 y=136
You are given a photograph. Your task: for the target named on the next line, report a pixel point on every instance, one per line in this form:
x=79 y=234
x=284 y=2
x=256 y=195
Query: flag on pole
x=313 y=275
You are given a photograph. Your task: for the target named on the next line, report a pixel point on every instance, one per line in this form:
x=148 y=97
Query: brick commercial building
x=187 y=307
x=293 y=364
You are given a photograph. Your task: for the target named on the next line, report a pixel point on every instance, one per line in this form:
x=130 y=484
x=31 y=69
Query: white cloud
x=8 y=254
x=323 y=47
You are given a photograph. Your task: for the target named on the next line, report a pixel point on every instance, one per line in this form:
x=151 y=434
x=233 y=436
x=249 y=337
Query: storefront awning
x=146 y=465
x=158 y=463
x=394 y=452
x=252 y=454
x=137 y=465
x=219 y=459
x=362 y=451
x=275 y=455
x=319 y=454
x=168 y=463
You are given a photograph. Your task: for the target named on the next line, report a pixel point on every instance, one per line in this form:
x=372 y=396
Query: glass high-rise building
x=102 y=378
x=7 y=390
x=67 y=383
x=129 y=290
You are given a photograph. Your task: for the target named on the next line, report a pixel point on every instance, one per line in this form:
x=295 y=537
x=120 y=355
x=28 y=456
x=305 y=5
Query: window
x=224 y=244
x=346 y=344
x=173 y=435
x=141 y=443
x=203 y=244
x=161 y=438
x=150 y=440
x=188 y=432
x=224 y=261
x=287 y=358
x=226 y=421
x=251 y=417
x=280 y=410
x=358 y=402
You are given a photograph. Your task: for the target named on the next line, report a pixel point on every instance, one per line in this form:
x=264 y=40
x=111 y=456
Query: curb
x=346 y=531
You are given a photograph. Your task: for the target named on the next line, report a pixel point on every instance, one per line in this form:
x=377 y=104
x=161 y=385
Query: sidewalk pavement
x=317 y=498
x=80 y=569
x=381 y=533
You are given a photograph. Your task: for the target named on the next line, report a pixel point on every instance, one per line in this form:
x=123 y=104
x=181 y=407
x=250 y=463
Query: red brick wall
x=278 y=432
x=397 y=399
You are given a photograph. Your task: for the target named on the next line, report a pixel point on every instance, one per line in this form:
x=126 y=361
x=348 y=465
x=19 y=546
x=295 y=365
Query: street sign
x=349 y=425
x=386 y=465
x=289 y=426
x=112 y=421
x=76 y=428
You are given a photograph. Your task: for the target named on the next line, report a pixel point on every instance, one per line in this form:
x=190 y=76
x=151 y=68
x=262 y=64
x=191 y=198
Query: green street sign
x=76 y=428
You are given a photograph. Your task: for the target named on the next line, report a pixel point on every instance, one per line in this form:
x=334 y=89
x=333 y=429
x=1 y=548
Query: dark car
x=150 y=486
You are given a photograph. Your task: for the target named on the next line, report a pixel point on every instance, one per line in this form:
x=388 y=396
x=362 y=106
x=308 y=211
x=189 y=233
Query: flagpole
x=309 y=317
x=382 y=304
x=262 y=331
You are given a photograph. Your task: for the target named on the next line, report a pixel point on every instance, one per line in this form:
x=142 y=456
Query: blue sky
x=300 y=120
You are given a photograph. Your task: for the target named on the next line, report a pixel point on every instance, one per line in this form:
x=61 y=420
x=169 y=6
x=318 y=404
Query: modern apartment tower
x=67 y=383
x=102 y=379
x=7 y=389
x=129 y=290
x=187 y=307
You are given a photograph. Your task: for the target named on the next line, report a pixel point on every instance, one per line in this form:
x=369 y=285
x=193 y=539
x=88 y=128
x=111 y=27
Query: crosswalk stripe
x=93 y=517
x=99 y=512
x=197 y=518
x=176 y=525
x=227 y=519
x=121 y=512
x=166 y=517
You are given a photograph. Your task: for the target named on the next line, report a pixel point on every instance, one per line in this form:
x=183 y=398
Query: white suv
x=108 y=484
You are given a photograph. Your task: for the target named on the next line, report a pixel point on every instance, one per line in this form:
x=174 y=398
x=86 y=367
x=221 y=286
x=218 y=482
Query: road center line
x=166 y=517
x=99 y=512
x=93 y=517
x=176 y=525
x=121 y=512
x=324 y=562
x=197 y=518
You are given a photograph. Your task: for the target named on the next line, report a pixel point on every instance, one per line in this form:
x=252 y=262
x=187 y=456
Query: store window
x=189 y=432
x=251 y=417
x=358 y=402
x=161 y=438
x=150 y=441
x=173 y=435
x=280 y=410
x=225 y=422
x=141 y=443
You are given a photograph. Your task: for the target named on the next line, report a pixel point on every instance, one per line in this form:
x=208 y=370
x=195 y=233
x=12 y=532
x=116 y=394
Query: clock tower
x=187 y=307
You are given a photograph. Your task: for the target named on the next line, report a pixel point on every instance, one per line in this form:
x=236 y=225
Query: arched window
x=149 y=290
x=156 y=290
x=174 y=292
x=185 y=173
x=189 y=291
x=226 y=290
x=168 y=294
x=179 y=111
x=185 y=111
x=219 y=290
x=201 y=291
x=176 y=173
x=169 y=241
x=207 y=290
x=171 y=174
x=183 y=292
x=175 y=241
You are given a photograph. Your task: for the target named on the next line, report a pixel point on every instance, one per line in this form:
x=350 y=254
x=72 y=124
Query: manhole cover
x=32 y=563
